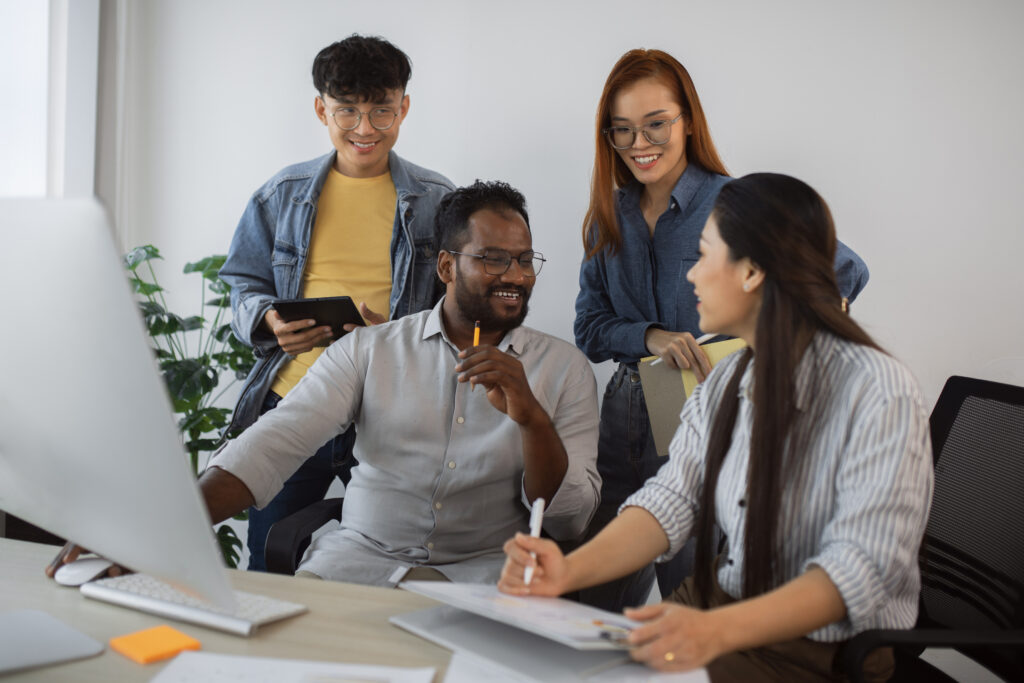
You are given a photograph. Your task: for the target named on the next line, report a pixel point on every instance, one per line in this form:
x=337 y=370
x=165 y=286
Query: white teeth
x=643 y=161
x=507 y=295
x=364 y=145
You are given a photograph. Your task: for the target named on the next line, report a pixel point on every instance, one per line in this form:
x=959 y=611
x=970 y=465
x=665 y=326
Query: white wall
x=905 y=116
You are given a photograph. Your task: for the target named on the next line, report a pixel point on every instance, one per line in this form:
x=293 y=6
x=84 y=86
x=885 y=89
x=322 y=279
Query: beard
x=474 y=307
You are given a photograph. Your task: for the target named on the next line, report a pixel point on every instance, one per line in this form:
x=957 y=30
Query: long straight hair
x=783 y=226
x=601 y=228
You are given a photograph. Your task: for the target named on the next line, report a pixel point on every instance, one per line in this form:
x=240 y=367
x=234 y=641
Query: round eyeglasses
x=655 y=132
x=348 y=118
x=498 y=261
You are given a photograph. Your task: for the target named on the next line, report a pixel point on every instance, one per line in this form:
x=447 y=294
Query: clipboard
x=666 y=390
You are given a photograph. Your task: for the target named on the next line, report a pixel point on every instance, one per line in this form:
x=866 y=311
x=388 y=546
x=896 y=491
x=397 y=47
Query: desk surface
x=345 y=622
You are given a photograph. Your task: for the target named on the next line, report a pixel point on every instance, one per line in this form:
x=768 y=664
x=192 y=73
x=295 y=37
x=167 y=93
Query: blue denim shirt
x=644 y=285
x=271 y=243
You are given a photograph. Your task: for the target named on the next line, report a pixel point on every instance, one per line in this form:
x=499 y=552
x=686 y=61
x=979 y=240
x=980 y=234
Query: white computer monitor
x=89 y=449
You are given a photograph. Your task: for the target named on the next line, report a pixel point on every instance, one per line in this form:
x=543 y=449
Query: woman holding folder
x=810 y=449
x=656 y=175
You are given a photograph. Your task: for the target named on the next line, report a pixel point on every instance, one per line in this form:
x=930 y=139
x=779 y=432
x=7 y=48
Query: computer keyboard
x=147 y=594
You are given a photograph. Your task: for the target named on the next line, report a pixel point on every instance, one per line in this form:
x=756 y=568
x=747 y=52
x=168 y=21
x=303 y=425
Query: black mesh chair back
x=972 y=558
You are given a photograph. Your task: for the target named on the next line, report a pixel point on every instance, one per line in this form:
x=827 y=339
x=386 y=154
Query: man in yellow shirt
x=357 y=222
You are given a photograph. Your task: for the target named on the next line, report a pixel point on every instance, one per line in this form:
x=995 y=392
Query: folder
x=666 y=390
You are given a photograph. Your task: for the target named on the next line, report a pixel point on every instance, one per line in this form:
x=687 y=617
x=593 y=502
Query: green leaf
x=204 y=420
x=193 y=322
x=165 y=324
x=221 y=302
x=151 y=308
x=209 y=266
x=230 y=545
x=198 y=445
x=188 y=378
x=146 y=288
x=218 y=286
x=223 y=333
x=140 y=255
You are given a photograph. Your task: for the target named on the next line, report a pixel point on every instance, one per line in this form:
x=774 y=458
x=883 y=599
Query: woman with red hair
x=656 y=176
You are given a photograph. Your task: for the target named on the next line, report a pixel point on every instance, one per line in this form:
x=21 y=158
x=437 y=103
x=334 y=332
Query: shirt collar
x=687 y=187
x=514 y=341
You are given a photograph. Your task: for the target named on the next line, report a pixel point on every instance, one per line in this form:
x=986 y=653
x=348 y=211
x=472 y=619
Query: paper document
x=189 y=667
x=664 y=394
x=569 y=623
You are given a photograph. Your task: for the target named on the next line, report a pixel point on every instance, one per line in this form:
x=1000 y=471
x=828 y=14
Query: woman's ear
x=444 y=266
x=753 y=276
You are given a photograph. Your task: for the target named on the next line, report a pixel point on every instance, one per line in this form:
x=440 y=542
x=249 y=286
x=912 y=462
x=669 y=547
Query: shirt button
x=730 y=562
x=743 y=502
x=460 y=419
x=430 y=546
x=437 y=506
x=451 y=464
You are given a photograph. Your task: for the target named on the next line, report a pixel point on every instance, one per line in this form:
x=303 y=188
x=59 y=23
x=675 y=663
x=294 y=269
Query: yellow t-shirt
x=349 y=253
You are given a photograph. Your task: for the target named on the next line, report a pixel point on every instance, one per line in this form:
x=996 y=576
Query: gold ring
x=669 y=656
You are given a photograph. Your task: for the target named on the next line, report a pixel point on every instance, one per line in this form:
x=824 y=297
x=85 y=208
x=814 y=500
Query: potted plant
x=194 y=354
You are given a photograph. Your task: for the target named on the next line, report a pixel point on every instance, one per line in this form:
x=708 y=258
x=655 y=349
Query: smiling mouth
x=511 y=296
x=646 y=160
x=363 y=146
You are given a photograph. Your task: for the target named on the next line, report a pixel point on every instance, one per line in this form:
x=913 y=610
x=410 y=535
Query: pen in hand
x=700 y=340
x=536 y=520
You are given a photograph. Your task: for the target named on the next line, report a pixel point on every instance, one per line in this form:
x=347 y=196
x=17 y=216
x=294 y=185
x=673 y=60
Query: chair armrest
x=863 y=644
x=288 y=539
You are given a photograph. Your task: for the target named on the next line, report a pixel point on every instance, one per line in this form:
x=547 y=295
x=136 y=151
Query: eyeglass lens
x=656 y=133
x=348 y=118
x=498 y=261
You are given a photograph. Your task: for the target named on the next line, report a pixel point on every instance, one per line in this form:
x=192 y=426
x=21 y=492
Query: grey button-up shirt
x=440 y=475
x=857 y=503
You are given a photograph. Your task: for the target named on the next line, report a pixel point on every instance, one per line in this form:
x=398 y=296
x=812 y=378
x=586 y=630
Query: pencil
x=476 y=342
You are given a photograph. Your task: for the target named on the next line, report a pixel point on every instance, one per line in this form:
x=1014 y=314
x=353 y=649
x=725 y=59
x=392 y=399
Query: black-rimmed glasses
x=498 y=261
x=656 y=133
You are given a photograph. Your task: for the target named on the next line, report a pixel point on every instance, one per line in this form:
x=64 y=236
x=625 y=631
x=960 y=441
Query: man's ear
x=403 y=110
x=321 y=109
x=445 y=266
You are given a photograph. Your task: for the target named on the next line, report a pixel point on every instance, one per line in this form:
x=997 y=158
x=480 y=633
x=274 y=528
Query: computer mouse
x=82 y=571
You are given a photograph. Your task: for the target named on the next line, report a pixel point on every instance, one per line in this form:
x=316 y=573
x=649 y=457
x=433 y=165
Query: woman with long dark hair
x=656 y=175
x=810 y=449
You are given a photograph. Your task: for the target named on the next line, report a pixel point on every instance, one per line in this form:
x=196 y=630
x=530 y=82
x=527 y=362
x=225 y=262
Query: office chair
x=972 y=555
x=288 y=539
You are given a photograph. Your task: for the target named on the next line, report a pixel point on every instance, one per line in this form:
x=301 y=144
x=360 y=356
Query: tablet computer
x=335 y=311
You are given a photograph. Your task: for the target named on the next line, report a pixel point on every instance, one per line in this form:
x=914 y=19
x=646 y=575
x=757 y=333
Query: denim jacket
x=271 y=243
x=644 y=285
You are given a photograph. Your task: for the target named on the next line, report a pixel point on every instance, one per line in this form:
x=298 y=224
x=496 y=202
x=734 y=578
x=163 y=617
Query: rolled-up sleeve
x=673 y=494
x=321 y=406
x=575 y=418
x=883 y=493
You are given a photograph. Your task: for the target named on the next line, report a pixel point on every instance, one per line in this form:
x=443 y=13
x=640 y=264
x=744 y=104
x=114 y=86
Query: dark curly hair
x=365 y=67
x=451 y=221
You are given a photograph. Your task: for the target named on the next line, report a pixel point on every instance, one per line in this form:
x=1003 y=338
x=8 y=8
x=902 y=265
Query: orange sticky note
x=153 y=644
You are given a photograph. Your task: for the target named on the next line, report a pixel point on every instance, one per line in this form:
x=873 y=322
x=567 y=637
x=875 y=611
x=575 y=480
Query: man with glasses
x=356 y=222
x=456 y=439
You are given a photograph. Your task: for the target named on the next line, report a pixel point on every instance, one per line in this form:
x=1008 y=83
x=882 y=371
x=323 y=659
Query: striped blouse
x=858 y=505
